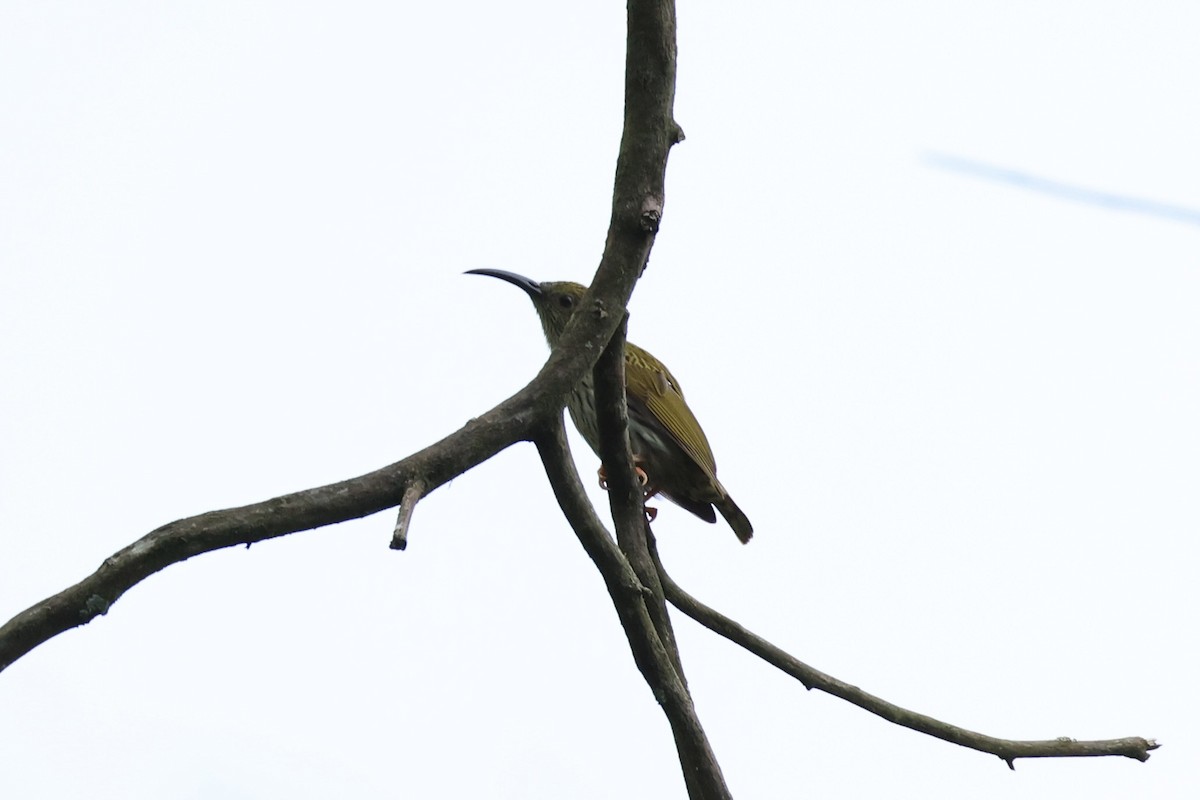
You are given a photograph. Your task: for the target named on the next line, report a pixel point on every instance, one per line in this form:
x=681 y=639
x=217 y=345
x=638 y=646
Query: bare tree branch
x=702 y=774
x=649 y=133
x=1007 y=749
x=178 y=541
x=480 y=439
x=625 y=495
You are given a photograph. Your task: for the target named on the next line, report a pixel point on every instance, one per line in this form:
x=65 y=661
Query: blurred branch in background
x=1061 y=190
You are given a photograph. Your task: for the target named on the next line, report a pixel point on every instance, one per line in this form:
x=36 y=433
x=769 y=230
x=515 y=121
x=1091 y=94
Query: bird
x=670 y=450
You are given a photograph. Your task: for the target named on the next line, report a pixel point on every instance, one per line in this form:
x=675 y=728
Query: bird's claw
x=643 y=482
x=642 y=478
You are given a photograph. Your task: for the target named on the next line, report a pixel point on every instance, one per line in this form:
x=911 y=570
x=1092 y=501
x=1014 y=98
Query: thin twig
x=412 y=494
x=1006 y=749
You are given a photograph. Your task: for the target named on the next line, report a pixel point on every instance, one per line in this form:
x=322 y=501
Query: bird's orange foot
x=643 y=478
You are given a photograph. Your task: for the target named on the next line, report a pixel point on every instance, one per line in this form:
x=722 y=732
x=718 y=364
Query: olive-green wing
x=648 y=378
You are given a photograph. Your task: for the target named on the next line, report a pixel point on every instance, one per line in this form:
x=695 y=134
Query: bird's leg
x=648 y=491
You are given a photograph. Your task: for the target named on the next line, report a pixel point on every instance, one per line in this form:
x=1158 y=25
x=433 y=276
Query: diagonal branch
x=511 y=421
x=702 y=773
x=1007 y=749
x=477 y=441
x=625 y=496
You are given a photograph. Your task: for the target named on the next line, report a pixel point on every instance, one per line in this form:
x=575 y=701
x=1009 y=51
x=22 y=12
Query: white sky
x=962 y=415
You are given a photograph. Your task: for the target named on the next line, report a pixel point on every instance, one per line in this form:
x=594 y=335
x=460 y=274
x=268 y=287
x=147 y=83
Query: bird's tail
x=734 y=516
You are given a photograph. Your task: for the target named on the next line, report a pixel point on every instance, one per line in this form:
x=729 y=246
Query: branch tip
x=651 y=217
x=412 y=493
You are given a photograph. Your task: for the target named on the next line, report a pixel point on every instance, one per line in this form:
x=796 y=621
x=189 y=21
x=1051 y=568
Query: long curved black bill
x=531 y=287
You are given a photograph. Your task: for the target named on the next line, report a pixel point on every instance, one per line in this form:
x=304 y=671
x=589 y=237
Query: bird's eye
x=566 y=301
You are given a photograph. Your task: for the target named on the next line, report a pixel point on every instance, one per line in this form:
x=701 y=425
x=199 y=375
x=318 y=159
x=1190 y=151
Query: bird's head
x=554 y=301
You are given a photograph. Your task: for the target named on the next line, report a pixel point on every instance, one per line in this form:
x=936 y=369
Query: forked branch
x=632 y=599
x=702 y=773
x=625 y=496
